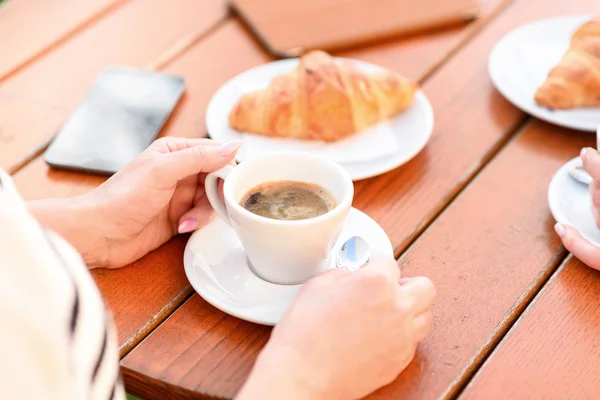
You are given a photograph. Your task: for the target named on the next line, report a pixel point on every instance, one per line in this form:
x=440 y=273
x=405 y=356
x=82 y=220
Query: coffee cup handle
x=211 y=186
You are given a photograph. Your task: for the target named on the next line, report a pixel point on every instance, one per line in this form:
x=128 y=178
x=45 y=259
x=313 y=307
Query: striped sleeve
x=57 y=339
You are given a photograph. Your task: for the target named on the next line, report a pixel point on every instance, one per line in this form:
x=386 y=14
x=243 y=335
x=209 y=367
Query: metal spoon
x=580 y=175
x=353 y=254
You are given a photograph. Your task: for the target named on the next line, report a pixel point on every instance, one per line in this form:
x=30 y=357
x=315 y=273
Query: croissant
x=322 y=99
x=575 y=81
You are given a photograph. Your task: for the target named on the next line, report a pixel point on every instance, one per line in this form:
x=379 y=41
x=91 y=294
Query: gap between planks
x=462 y=185
x=183 y=296
x=506 y=325
x=470 y=32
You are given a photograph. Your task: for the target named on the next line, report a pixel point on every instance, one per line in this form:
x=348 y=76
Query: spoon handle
x=580 y=175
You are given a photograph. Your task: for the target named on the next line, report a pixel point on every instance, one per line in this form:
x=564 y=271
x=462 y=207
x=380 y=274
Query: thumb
x=197 y=159
x=578 y=246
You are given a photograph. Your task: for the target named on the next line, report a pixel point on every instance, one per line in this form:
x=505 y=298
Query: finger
x=596 y=215
x=578 y=246
x=591 y=162
x=199 y=214
x=385 y=266
x=169 y=144
x=198 y=159
x=421 y=291
x=195 y=218
x=595 y=195
x=422 y=325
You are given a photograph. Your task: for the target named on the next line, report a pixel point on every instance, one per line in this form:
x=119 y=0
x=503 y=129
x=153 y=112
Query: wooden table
x=515 y=317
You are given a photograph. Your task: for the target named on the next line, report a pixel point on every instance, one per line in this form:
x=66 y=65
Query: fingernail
x=402 y=281
x=583 y=151
x=560 y=230
x=228 y=148
x=187 y=225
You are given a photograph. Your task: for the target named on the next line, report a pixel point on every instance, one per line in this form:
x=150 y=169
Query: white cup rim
x=340 y=207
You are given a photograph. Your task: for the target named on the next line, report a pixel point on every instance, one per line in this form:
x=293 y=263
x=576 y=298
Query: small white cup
x=283 y=252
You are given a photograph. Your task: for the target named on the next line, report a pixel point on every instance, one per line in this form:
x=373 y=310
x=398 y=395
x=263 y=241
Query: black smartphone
x=121 y=114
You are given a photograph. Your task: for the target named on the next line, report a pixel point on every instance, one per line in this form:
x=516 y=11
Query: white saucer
x=521 y=60
x=571 y=204
x=410 y=130
x=215 y=265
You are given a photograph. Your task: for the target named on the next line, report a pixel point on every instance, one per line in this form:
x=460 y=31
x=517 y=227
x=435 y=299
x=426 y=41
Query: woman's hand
x=345 y=335
x=142 y=206
x=572 y=240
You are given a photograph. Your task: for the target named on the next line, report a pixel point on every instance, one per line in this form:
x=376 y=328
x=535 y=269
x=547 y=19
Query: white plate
x=521 y=60
x=215 y=265
x=411 y=129
x=570 y=203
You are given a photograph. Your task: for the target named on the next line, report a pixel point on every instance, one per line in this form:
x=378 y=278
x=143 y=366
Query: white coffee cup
x=279 y=251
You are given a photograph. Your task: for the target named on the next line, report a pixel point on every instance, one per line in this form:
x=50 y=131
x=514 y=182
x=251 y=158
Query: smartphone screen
x=121 y=114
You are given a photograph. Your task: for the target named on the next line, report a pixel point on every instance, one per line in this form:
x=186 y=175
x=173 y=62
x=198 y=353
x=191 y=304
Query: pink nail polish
x=228 y=148
x=560 y=230
x=583 y=151
x=187 y=225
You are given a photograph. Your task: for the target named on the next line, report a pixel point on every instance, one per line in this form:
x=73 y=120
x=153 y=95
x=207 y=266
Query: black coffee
x=288 y=200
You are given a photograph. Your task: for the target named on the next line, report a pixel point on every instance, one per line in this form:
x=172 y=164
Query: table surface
x=515 y=314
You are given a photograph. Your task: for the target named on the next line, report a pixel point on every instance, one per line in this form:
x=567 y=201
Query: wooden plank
x=473 y=122
x=552 y=351
x=488 y=254
x=134 y=36
x=415 y=58
x=138 y=34
x=47 y=22
x=21 y=123
x=209 y=345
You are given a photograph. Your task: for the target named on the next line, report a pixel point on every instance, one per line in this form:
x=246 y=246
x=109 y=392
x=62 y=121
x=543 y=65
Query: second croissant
x=575 y=81
x=322 y=99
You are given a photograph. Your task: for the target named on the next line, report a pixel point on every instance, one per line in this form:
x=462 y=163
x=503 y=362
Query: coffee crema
x=288 y=200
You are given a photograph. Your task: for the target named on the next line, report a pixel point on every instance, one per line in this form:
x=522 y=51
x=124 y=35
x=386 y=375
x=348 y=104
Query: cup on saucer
x=281 y=251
